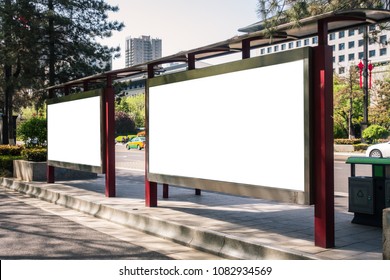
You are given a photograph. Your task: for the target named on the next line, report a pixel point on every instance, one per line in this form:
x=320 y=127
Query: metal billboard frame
x=77 y=166
x=264 y=192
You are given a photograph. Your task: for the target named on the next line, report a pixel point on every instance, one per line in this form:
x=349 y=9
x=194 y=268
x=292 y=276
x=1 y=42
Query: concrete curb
x=209 y=241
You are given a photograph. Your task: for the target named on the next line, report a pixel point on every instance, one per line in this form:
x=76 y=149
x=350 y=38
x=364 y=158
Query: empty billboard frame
x=241 y=128
x=75 y=130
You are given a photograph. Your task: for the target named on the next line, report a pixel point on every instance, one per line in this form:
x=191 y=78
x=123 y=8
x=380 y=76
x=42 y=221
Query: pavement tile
x=280 y=225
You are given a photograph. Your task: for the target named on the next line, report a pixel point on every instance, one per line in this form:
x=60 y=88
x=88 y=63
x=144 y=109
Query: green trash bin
x=368 y=196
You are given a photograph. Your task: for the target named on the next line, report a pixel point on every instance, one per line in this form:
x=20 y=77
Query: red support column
x=109 y=137
x=246 y=49
x=165 y=191
x=150 y=187
x=50 y=178
x=150 y=193
x=191 y=66
x=323 y=141
x=50 y=174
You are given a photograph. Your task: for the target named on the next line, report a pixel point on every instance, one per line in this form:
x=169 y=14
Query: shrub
x=7 y=165
x=124 y=124
x=375 y=132
x=33 y=131
x=339 y=131
x=35 y=154
x=347 y=141
x=360 y=147
x=10 y=150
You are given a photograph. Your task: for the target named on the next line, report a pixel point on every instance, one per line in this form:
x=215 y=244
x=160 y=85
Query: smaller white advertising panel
x=75 y=131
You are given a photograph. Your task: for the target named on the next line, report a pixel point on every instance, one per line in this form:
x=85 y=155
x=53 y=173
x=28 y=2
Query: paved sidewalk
x=229 y=226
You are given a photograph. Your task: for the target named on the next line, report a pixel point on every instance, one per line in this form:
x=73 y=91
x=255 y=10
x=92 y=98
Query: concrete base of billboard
x=36 y=171
x=386 y=234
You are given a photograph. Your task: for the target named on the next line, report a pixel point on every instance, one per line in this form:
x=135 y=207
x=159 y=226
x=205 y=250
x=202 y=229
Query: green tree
x=275 y=12
x=72 y=29
x=135 y=107
x=375 y=132
x=44 y=42
x=33 y=131
x=347 y=103
x=124 y=125
x=19 y=58
x=379 y=112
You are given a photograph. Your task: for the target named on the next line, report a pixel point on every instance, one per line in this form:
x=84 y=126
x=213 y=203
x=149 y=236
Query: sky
x=181 y=24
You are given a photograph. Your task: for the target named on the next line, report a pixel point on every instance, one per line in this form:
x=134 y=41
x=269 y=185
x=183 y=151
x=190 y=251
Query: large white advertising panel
x=244 y=127
x=75 y=131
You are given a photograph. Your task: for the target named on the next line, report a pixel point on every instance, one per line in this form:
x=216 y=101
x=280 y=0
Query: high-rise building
x=142 y=49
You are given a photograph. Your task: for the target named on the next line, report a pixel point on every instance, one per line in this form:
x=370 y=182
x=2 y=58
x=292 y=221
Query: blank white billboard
x=246 y=127
x=75 y=132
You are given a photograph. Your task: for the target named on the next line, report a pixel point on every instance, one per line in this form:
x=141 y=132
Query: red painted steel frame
x=109 y=137
x=50 y=174
x=323 y=141
x=150 y=187
x=50 y=169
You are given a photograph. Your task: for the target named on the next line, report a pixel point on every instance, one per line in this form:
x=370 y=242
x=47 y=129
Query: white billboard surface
x=242 y=127
x=74 y=132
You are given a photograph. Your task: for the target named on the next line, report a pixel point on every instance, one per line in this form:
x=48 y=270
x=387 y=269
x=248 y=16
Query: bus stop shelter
x=320 y=156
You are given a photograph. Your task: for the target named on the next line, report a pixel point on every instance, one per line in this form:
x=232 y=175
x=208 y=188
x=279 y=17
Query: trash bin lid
x=368 y=160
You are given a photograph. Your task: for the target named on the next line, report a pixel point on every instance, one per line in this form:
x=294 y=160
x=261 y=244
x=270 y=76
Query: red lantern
x=361 y=66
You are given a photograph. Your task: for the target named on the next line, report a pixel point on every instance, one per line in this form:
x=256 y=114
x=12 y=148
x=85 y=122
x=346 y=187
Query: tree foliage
x=379 y=112
x=375 y=132
x=72 y=29
x=347 y=104
x=124 y=124
x=33 y=131
x=135 y=107
x=45 y=42
x=275 y=12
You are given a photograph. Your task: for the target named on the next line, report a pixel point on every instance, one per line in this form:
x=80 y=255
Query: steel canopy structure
x=322 y=111
x=255 y=38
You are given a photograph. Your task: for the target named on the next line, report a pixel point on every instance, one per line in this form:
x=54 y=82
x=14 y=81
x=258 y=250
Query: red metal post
x=109 y=137
x=150 y=187
x=86 y=85
x=323 y=141
x=191 y=66
x=50 y=174
x=50 y=178
x=191 y=61
x=165 y=191
x=150 y=193
x=246 y=49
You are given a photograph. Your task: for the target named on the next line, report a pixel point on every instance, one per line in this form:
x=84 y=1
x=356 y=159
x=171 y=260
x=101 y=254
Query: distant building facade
x=142 y=49
x=347 y=48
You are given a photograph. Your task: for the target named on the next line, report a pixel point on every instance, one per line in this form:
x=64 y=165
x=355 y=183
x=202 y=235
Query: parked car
x=136 y=143
x=379 y=150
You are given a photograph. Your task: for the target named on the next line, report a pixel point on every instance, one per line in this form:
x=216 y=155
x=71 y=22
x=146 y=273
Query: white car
x=379 y=150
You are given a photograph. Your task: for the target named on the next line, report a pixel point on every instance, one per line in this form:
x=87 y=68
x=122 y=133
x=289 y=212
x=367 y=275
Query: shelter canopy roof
x=256 y=37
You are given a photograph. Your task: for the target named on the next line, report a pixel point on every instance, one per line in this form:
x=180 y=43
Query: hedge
x=10 y=153
x=35 y=154
x=347 y=141
x=11 y=150
x=7 y=164
x=360 y=147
